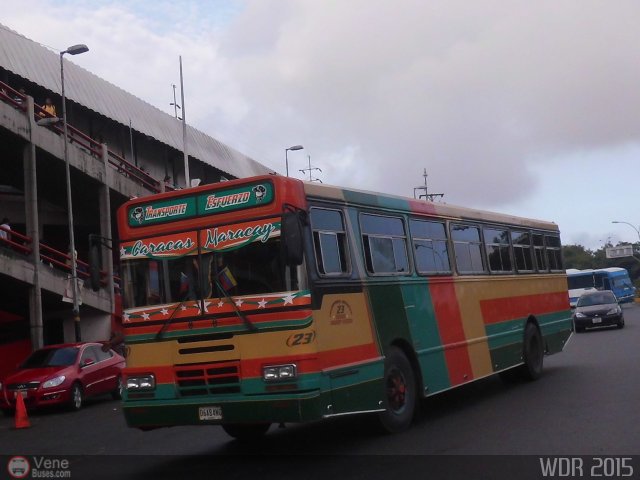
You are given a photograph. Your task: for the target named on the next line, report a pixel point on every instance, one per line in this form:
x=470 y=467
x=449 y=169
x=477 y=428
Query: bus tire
x=399 y=396
x=532 y=353
x=246 y=431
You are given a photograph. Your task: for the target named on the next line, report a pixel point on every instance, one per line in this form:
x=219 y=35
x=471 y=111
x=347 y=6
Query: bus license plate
x=210 y=413
x=597 y=320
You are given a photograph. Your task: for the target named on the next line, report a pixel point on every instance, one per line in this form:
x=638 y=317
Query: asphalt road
x=586 y=403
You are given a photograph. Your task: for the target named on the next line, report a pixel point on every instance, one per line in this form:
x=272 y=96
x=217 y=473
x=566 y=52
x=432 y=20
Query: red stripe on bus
x=498 y=310
x=420 y=206
x=449 y=320
x=141 y=329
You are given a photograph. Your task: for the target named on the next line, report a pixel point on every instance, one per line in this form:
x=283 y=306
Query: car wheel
x=76 y=397
x=117 y=393
x=399 y=396
x=532 y=353
x=621 y=322
x=246 y=431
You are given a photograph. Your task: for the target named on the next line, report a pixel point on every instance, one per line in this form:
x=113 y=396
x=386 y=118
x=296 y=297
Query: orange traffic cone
x=22 y=419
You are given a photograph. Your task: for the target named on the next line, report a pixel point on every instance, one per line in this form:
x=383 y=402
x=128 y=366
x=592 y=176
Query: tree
x=576 y=256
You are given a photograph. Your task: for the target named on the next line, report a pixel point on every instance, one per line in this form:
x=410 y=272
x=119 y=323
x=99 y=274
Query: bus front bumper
x=298 y=407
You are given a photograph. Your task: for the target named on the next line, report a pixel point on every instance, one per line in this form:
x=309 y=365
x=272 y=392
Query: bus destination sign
x=207 y=203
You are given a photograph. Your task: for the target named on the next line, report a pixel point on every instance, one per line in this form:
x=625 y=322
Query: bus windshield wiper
x=167 y=322
x=248 y=323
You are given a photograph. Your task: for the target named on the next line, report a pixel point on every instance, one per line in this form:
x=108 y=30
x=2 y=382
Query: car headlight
x=614 y=311
x=580 y=315
x=141 y=382
x=54 y=382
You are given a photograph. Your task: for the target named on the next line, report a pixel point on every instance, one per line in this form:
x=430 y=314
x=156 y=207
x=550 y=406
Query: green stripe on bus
x=388 y=309
x=425 y=336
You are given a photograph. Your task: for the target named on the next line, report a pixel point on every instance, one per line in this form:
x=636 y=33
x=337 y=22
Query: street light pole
x=73 y=50
x=631 y=225
x=286 y=156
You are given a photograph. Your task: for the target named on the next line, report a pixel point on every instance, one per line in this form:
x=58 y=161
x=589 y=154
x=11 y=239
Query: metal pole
x=72 y=243
x=286 y=159
x=187 y=180
x=135 y=162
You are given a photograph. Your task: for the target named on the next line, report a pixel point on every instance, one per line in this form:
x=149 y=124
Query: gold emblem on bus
x=340 y=313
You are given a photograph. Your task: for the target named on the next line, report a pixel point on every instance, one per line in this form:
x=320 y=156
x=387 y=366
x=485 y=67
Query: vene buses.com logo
x=18 y=467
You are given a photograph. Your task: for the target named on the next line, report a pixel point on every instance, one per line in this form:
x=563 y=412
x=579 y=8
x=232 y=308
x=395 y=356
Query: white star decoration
x=145 y=316
x=123 y=252
x=220 y=304
x=125 y=318
x=183 y=307
x=239 y=302
x=262 y=303
x=164 y=312
x=288 y=299
x=206 y=304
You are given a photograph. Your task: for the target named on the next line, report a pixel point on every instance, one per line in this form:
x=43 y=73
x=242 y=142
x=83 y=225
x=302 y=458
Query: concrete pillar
x=33 y=230
x=105 y=225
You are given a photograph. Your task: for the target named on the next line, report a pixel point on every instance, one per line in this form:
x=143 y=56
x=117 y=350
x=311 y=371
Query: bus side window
x=385 y=244
x=430 y=246
x=467 y=248
x=538 y=247
x=522 y=251
x=329 y=241
x=498 y=248
x=554 y=256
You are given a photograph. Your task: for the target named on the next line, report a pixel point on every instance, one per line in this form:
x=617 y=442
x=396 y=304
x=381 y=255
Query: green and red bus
x=271 y=300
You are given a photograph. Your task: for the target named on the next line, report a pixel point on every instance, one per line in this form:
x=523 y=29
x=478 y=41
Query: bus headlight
x=276 y=373
x=141 y=382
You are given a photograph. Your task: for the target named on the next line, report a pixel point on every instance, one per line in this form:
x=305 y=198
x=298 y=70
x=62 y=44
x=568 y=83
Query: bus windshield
x=256 y=268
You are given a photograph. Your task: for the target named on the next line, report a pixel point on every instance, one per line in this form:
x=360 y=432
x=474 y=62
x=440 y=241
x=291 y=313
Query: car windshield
x=51 y=357
x=600 y=298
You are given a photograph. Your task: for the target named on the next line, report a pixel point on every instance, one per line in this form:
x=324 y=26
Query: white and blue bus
x=614 y=278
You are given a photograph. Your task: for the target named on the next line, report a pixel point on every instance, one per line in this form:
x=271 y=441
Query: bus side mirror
x=292 y=236
x=94 y=263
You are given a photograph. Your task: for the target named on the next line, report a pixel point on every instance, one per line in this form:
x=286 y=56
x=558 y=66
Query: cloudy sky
x=528 y=108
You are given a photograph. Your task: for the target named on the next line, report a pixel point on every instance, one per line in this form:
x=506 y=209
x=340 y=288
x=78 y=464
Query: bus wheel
x=533 y=353
x=400 y=392
x=246 y=431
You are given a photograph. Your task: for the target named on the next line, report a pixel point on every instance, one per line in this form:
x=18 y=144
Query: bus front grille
x=208 y=379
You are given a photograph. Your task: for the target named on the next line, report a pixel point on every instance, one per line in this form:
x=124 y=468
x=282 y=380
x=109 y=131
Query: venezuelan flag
x=226 y=279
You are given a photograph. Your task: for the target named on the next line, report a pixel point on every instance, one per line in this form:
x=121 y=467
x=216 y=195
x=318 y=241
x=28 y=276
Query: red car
x=63 y=375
